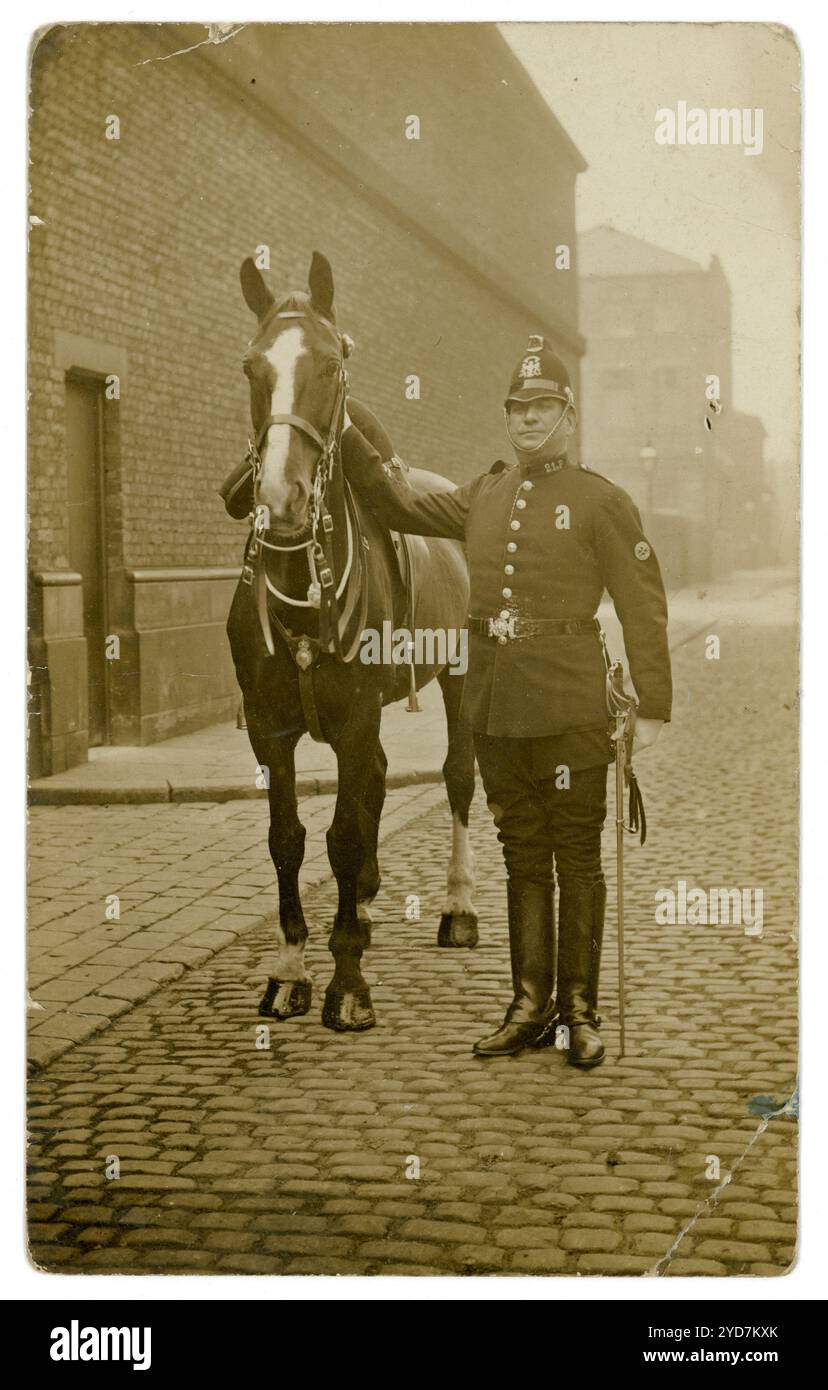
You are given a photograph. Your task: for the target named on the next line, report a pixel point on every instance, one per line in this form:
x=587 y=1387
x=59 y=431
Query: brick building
x=294 y=138
x=657 y=326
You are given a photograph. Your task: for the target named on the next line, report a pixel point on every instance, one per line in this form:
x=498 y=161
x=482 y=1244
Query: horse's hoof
x=349 y=1011
x=457 y=929
x=286 y=998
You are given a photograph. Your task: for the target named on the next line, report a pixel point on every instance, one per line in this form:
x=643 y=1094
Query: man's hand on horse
x=646 y=733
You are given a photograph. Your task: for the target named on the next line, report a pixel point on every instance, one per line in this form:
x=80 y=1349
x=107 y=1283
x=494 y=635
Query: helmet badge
x=529 y=367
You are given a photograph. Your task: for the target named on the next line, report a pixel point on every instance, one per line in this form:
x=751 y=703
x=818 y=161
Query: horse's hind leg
x=458 y=923
x=368 y=882
x=289 y=990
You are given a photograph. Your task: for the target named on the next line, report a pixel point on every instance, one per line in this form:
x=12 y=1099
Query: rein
x=326 y=588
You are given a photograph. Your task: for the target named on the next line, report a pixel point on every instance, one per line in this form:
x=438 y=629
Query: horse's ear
x=256 y=294
x=321 y=286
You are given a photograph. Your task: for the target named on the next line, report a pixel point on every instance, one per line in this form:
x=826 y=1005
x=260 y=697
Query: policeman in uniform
x=545 y=537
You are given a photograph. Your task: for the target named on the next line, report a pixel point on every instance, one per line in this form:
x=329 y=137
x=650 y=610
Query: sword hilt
x=623 y=708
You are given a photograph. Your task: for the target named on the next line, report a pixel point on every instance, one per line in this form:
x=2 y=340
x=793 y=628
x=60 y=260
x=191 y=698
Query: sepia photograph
x=413 y=650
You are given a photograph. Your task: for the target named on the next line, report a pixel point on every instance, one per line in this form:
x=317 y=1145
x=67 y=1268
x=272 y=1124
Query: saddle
x=407 y=549
x=410 y=552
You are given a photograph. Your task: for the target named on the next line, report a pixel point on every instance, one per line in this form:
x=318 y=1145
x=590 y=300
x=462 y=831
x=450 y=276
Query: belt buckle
x=502 y=628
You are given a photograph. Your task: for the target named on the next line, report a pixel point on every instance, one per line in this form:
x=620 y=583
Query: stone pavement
x=395 y=1151
x=217 y=764
x=188 y=879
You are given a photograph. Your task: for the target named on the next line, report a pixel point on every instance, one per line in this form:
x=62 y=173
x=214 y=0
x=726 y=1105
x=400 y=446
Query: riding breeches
x=549 y=818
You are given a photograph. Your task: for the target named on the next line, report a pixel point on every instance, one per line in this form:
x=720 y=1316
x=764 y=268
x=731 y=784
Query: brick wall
x=491 y=157
x=139 y=251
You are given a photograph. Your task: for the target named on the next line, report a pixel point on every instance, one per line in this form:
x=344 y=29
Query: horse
x=319 y=572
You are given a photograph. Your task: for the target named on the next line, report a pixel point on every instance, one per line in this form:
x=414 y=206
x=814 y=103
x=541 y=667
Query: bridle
x=323 y=468
x=323 y=592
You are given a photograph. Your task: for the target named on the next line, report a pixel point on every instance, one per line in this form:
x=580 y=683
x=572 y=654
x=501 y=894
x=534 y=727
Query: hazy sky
x=605 y=82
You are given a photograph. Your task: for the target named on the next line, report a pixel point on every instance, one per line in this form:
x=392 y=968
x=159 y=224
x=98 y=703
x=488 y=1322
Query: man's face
x=531 y=421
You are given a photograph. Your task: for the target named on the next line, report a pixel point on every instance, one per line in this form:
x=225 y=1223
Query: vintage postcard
x=414 y=649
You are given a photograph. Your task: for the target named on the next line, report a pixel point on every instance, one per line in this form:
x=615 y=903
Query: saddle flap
x=403 y=547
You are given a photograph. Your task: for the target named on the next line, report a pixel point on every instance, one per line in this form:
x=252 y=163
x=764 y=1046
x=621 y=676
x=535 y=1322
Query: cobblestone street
x=189 y=879
x=395 y=1151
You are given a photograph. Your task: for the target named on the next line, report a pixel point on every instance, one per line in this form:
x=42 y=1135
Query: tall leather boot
x=531 y=908
x=582 y=907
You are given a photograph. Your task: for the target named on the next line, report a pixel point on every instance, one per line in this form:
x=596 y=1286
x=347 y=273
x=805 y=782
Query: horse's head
x=294 y=366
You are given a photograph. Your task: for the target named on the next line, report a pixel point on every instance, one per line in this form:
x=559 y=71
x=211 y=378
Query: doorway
x=87 y=535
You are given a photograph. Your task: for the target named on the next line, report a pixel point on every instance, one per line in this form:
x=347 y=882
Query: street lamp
x=648 y=458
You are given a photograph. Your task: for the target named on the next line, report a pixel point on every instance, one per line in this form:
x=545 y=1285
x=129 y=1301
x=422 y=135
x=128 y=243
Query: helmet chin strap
x=520 y=448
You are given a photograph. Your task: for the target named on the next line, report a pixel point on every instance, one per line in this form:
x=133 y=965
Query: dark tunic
x=540 y=544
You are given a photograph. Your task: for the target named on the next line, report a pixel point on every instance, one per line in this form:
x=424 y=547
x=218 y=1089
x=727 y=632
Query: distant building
x=658 y=328
x=291 y=137
x=749 y=502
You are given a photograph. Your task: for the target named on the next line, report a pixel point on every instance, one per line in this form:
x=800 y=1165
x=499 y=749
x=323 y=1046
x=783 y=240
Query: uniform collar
x=536 y=468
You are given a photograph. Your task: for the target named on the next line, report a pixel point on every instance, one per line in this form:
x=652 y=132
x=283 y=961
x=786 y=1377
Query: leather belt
x=505 y=629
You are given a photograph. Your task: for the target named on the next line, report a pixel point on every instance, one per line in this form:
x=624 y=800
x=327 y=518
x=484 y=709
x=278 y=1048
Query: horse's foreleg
x=368 y=882
x=458 y=923
x=347 y=1007
x=289 y=990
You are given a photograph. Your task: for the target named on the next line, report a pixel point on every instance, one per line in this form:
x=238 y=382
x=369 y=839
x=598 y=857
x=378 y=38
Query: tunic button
x=504 y=613
x=507 y=593
x=515 y=525
x=521 y=502
x=502 y=641
x=527 y=486
x=508 y=569
x=512 y=547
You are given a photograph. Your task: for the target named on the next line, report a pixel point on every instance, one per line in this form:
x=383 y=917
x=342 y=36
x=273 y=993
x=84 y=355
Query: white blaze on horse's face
x=283 y=488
